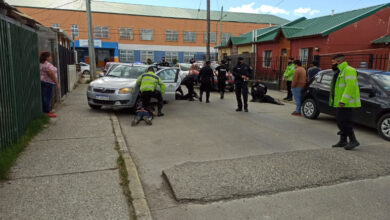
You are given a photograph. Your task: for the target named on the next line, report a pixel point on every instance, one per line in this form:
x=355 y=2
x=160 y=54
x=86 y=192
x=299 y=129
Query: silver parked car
x=118 y=88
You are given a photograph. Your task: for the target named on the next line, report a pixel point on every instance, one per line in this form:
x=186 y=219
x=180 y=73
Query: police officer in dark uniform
x=205 y=78
x=241 y=73
x=189 y=82
x=222 y=70
x=259 y=94
x=163 y=62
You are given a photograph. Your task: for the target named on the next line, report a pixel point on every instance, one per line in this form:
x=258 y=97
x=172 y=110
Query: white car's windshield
x=383 y=80
x=125 y=71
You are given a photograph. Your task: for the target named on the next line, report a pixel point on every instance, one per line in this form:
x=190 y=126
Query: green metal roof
x=322 y=26
x=327 y=24
x=382 y=40
x=148 y=10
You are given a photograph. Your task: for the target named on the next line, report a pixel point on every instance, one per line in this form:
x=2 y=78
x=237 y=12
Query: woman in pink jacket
x=48 y=82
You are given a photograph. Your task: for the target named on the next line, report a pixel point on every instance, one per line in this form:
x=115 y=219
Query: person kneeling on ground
x=148 y=83
x=189 y=82
x=259 y=91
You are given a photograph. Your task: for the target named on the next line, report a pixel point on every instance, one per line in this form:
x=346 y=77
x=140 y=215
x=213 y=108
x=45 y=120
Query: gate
x=66 y=57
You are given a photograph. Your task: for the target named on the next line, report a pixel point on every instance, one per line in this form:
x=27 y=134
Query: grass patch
x=124 y=181
x=10 y=153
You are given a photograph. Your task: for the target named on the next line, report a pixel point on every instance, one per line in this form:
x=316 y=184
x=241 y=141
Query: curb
x=138 y=199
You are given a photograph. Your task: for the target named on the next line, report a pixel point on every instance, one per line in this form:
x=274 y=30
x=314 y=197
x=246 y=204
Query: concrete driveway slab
x=232 y=178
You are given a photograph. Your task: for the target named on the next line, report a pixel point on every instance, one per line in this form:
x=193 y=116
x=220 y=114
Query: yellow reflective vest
x=288 y=74
x=346 y=89
x=149 y=81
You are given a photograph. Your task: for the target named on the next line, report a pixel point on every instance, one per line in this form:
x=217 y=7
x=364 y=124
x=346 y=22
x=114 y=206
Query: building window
x=189 y=36
x=146 y=54
x=126 y=56
x=267 y=57
x=126 y=33
x=226 y=37
x=101 y=32
x=170 y=35
x=146 y=34
x=74 y=30
x=187 y=56
x=213 y=37
x=304 y=55
x=170 y=56
x=55 y=26
x=213 y=56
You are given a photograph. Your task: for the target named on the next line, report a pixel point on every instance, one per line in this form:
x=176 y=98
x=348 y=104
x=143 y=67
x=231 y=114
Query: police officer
x=189 y=82
x=148 y=83
x=222 y=70
x=259 y=93
x=344 y=96
x=205 y=78
x=288 y=76
x=163 y=62
x=241 y=74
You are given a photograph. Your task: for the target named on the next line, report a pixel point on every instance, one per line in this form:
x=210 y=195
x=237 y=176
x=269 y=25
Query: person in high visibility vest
x=344 y=96
x=147 y=82
x=288 y=76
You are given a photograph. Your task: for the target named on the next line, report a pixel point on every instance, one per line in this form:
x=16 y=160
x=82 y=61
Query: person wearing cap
x=205 y=78
x=345 y=97
x=241 y=73
x=221 y=76
x=147 y=82
x=163 y=62
x=288 y=76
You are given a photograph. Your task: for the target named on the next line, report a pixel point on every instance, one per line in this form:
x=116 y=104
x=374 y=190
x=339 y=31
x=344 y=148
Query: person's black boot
x=160 y=114
x=239 y=110
x=352 y=142
x=342 y=142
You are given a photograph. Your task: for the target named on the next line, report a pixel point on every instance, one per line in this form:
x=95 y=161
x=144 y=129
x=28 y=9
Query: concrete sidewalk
x=69 y=171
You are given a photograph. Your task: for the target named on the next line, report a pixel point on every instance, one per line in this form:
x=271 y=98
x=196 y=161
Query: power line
x=57 y=7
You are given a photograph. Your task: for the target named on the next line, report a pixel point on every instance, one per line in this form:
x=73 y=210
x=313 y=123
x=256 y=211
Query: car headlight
x=126 y=90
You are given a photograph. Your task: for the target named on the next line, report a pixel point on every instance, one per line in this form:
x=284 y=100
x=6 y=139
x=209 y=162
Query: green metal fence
x=20 y=88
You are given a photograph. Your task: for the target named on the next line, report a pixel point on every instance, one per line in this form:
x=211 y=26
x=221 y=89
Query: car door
x=170 y=79
x=367 y=113
x=324 y=92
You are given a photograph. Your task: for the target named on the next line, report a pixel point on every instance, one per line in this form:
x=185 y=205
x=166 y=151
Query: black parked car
x=374 y=93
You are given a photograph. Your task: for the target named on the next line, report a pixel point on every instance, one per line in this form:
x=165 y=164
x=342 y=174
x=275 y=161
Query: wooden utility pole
x=208 y=32
x=220 y=26
x=91 y=45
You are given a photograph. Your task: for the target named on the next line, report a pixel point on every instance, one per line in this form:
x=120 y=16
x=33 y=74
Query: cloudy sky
x=289 y=9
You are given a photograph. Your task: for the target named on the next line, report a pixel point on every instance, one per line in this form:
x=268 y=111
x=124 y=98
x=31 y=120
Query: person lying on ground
x=259 y=94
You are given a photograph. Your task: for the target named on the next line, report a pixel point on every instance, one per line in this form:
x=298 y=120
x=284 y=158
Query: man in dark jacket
x=163 y=62
x=241 y=73
x=189 y=82
x=222 y=70
x=205 y=78
x=259 y=94
x=313 y=70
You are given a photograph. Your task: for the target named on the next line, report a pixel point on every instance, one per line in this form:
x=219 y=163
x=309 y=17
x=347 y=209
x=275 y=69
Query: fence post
x=12 y=77
x=370 y=61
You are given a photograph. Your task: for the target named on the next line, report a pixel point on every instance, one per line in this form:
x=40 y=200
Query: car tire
x=86 y=72
x=310 y=109
x=384 y=126
x=96 y=107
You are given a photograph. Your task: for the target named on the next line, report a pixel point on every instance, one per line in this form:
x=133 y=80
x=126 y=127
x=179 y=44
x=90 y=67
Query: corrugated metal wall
x=20 y=88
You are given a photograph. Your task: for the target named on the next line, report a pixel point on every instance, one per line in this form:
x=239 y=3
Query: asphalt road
x=199 y=132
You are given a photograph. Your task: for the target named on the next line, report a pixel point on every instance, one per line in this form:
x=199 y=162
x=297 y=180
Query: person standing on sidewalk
x=205 y=78
x=344 y=96
x=241 y=74
x=48 y=74
x=147 y=82
x=297 y=85
x=222 y=70
x=288 y=76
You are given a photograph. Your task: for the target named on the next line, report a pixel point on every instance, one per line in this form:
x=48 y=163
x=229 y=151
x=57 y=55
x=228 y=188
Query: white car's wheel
x=86 y=72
